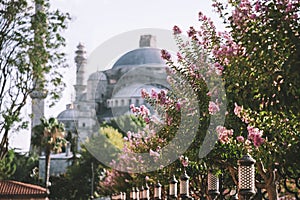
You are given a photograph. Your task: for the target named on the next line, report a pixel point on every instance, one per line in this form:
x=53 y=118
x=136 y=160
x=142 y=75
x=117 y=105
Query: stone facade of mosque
x=109 y=93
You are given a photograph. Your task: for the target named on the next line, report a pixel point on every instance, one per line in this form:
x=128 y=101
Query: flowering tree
x=258 y=59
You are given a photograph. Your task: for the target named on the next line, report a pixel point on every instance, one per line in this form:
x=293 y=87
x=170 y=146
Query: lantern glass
x=137 y=194
x=142 y=193
x=184 y=184
x=184 y=187
x=173 y=189
x=157 y=191
x=212 y=182
x=246 y=177
x=173 y=186
x=146 y=194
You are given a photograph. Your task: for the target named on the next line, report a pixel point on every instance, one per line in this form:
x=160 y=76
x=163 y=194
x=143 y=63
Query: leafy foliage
x=258 y=60
x=30 y=48
x=77 y=182
x=7 y=165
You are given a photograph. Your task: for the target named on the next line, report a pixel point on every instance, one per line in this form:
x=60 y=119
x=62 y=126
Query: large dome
x=140 y=56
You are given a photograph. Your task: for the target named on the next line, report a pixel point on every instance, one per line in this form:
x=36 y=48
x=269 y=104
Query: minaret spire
x=80 y=60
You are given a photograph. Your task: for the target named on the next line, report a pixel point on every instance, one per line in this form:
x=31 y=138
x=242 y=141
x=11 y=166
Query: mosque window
x=67 y=124
x=122 y=102
x=83 y=124
x=116 y=103
x=137 y=102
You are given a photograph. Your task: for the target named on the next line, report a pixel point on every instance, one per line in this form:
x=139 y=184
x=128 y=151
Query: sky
x=97 y=22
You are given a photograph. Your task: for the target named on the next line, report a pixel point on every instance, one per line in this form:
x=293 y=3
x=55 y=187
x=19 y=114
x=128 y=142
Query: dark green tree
x=26 y=168
x=7 y=165
x=52 y=140
x=31 y=50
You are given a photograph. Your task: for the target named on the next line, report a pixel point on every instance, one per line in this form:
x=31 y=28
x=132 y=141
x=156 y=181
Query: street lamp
x=137 y=193
x=212 y=185
x=142 y=193
x=184 y=186
x=146 y=193
x=157 y=191
x=132 y=194
x=246 y=175
x=173 y=188
x=123 y=195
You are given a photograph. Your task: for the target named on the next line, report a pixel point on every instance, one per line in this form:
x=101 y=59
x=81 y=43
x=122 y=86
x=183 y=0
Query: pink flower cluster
x=213 y=108
x=238 y=111
x=165 y=55
x=224 y=134
x=176 y=30
x=141 y=111
x=184 y=161
x=255 y=135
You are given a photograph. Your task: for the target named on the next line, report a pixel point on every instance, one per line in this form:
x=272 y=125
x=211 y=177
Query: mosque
x=109 y=93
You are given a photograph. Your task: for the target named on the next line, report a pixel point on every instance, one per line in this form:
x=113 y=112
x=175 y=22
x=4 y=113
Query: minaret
x=39 y=94
x=80 y=60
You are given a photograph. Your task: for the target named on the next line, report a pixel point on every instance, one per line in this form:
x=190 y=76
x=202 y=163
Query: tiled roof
x=9 y=188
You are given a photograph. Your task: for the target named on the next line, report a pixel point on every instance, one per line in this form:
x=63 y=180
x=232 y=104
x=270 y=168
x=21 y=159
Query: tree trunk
x=47 y=168
x=272 y=191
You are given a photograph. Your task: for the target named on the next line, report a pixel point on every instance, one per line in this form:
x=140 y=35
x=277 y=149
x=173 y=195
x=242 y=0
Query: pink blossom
x=237 y=110
x=240 y=138
x=224 y=134
x=184 y=161
x=178 y=106
x=144 y=93
x=202 y=17
x=169 y=120
x=176 y=30
x=213 y=108
x=147 y=120
x=144 y=111
x=255 y=135
x=154 y=153
x=179 y=57
x=257 y=6
x=191 y=32
x=133 y=108
x=147 y=178
x=219 y=68
x=165 y=54
x=153 y=94
x=162 y=97
x=253 y=16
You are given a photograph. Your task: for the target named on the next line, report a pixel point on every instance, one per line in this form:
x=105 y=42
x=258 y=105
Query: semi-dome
x=69 y=114
x=97 y=76
x=140 y=56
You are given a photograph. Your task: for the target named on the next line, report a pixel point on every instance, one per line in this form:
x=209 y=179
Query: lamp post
x=146 y=193
x=173 y=188
x=246 y=175
x=137 y=193
x=123 y=195
x=157 y=191
x=212 y=185
x=132 y=194
x=184 y=186
x=142 y=193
